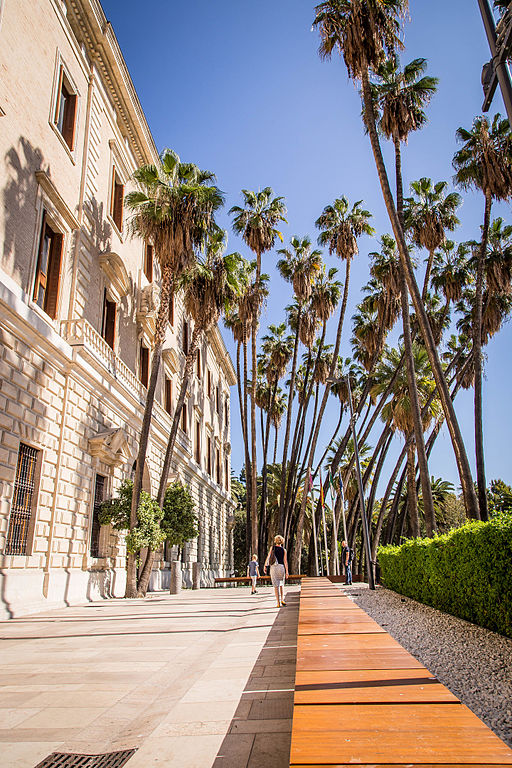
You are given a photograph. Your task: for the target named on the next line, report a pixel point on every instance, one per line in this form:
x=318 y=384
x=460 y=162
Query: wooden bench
x=360 y=698
x=245 y=580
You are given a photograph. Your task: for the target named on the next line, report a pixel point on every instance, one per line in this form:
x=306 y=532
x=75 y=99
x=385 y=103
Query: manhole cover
x=66 y=760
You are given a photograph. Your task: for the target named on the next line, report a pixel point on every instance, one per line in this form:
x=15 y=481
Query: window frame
x=61 y=72
x=197 y=447
x=33 y=504
x=168 y=394
x=107 y=306
x=144 y=364
x=184 y=418
x=42 y=279
x=97 y=553
x=116 y=183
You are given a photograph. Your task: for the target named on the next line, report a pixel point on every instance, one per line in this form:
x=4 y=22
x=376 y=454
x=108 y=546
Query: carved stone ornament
x=227 y=448
x=110 y=447
x=148 y=308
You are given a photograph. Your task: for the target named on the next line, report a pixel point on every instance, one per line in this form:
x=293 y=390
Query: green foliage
x=465 y=572
x=240 y=543
x=179 y=523
x=499 y=497
x=116 y=512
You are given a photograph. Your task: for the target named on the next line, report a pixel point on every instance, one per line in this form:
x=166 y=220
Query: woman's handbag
x=272 y=560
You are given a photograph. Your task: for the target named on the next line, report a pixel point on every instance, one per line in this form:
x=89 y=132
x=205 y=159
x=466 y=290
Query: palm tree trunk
x=266 y=433
x=291 y=395
x=427 y=275
x=302 y=513
x=426 y=488
x=160 y=329
x=412 y=499
x=466 y=481
x=248 y=470
x=187 y=373
x=477 y=351
x=254 y=454
x=384 y=503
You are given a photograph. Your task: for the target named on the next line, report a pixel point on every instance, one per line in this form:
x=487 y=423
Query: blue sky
x=238 y=88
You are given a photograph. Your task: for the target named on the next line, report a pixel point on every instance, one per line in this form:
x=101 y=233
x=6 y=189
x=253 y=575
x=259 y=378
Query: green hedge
x=467 y=572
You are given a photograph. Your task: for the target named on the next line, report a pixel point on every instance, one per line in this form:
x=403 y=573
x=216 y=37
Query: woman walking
x=278 y=562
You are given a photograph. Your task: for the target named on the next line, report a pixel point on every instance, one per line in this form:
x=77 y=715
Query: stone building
x=78 y=300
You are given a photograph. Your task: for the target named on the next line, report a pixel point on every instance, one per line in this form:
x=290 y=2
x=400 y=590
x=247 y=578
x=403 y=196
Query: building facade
x=78 y=301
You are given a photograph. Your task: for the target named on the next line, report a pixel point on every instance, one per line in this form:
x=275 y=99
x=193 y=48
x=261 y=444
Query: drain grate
x=66 y=760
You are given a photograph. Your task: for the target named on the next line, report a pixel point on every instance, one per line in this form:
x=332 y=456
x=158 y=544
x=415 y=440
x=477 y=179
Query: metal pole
x=335 y=526
x=325 y=541
x=499 y=59
x=366 y=533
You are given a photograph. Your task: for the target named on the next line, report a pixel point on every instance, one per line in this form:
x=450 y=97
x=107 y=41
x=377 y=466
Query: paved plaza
x=195 y=680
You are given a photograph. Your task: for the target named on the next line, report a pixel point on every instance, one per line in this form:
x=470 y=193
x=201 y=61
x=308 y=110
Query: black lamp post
x=496 y=71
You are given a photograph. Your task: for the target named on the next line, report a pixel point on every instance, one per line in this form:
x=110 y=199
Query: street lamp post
x=496 y=71
x=366 y=532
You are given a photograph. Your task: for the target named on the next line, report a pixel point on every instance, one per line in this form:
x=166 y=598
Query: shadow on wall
x=19 y=200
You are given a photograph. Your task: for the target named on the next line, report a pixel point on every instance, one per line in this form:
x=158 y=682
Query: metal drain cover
x=66 y=760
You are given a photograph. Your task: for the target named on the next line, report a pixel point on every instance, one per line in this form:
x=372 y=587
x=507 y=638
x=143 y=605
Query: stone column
x=176 y=578
x=196 y=575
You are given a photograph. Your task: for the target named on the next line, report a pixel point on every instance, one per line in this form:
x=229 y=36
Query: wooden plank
x=363 y=642
x=387 y=658
x=387 y=733
x=401 y=686
x=354 y=627
x=402 y=765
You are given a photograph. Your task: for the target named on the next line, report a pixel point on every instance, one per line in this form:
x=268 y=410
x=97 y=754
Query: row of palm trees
x=174 y=208
x=421 y=380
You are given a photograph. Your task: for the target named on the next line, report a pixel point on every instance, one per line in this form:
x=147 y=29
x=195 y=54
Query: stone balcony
x=80 y=333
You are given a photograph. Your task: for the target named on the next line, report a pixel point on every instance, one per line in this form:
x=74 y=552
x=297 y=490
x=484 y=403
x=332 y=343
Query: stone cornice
x=222 y=355
x=91 y=27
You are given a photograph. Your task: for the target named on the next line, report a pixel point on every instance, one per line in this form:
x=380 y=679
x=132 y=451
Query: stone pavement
x=195 y=680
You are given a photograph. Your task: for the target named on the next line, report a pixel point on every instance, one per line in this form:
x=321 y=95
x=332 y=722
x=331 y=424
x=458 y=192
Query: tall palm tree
x=429 y=214
x=398 y=411
x=364 y=32
x=208 y=288
x=484 y=162
x=340 y=227
x=401 y=96
x=298 y=265
x=173 y=208
x=256 y=222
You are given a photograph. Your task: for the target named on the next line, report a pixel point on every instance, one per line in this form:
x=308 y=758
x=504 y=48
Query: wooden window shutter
x=185 y=337
x=40 y=281
x=109 y=332
x=171 y=309
x=148 y=262
x=144 y=365
x=217 y=462
x=118 y=204
x=168 y=395
x=198 y=442
x=68 y=126
x=198 y=364
x=51 y=297
x=184 y=418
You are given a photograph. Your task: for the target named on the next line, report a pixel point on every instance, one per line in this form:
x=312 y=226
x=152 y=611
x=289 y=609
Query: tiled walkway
x=200 y=679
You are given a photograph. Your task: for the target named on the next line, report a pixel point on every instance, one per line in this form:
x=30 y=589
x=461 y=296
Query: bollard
x=196 y=575
x=175 y=577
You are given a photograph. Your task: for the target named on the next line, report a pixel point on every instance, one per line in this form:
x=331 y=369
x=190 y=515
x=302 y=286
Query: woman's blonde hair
x=278 y=540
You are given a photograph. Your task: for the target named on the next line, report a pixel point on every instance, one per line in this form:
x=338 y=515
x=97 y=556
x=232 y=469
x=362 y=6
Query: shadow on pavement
x=260 y=732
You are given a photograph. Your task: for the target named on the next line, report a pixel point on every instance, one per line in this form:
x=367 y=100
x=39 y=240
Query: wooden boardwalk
x=361 y=699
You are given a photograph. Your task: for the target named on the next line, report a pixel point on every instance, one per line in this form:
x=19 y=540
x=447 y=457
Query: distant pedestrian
x=253 y=570
x=346 y=558
x=278 y=562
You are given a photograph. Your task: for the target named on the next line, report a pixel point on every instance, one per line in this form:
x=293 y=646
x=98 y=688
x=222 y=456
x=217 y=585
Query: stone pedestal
x=176 y=578
x=196 y=575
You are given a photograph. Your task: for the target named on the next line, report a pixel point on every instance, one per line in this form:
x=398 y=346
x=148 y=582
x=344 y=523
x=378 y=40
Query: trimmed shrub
x=467 y=572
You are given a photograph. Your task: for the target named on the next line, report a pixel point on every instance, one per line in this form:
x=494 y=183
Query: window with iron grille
x=24 y=500
x=99 y=497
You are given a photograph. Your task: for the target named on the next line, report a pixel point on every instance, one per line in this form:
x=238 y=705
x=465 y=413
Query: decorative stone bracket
x=110 y=447
x=148 y=309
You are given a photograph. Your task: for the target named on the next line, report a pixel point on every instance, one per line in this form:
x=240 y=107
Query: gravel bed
x=474 y=663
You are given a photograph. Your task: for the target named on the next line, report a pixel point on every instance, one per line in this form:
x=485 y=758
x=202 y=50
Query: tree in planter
x=208 y=287
x=484 y=162
x=179 y=522
x=173 y=209
x=256 y=222
x=117 y=511
x=364 y=32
